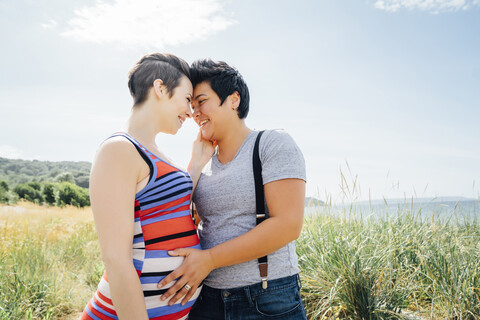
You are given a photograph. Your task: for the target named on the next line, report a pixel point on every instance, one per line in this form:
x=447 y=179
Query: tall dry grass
x=352 y=266
x=49 y=261
x=389 y=267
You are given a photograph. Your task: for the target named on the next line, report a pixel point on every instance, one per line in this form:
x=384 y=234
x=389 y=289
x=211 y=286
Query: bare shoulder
x=117 y=148
x=117 y=154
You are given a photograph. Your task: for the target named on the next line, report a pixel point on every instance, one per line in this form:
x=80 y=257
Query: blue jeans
x=281 y=300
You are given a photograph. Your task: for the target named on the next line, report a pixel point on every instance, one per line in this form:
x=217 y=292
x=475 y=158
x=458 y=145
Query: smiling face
x=213 y=118
x=177 y=107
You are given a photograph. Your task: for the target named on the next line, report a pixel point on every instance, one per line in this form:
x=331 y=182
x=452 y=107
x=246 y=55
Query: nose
x=196 y=112
x=189 y=111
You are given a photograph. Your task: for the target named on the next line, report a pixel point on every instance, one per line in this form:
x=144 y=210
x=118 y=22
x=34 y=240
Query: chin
x=207 y=135
x=173 y=131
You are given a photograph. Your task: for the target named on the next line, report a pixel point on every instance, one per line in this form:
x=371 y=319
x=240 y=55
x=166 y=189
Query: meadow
x=404 y=266
x=50 y=262
x=410 y=265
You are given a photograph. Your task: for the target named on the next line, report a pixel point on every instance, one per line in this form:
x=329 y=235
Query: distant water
x=448 y=210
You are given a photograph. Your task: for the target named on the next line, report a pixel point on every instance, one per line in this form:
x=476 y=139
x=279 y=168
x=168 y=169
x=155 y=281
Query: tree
x=49 y=193
x=66 y=194
x=4 y=194
x=35 y=185
x=65 y=177
x=82 y=181
x=4 y=185
x=28 y=193
x=71 y=194
x=24 y=191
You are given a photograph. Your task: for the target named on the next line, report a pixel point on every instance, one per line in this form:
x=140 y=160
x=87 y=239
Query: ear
x=159 y=88
x=235 y=100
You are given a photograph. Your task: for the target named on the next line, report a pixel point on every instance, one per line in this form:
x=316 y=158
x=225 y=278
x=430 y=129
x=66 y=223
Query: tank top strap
x=135 y=142
x=149 y=157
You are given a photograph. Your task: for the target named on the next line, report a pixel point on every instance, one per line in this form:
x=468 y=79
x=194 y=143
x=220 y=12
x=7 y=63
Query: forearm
x=202 y=151
x=126 y=290
x=269 y=236
x=194 y=170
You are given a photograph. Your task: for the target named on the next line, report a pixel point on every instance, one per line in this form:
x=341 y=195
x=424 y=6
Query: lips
x=181 y=120
x=202 y=125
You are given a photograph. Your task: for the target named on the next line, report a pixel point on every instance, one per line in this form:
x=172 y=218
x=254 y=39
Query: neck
x=231 y=142
x=140 y=125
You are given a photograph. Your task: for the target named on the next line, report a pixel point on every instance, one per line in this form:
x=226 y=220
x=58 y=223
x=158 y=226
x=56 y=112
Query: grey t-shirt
x=225 y=202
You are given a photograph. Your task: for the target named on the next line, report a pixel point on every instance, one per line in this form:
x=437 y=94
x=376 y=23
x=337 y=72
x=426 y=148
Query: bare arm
x=202 y=151
x=112 y=190
x=285 y=200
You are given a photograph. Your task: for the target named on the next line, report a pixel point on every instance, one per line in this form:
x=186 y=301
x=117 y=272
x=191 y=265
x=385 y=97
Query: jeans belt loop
x=248 y=293
x=299 y=281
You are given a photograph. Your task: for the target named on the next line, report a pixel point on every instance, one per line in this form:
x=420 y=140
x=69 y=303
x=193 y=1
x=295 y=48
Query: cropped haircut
x=224 y=80
x=165 y=66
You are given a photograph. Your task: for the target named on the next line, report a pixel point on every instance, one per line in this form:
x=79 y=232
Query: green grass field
x=352 y=268
x=50 y=261
x=389 y=268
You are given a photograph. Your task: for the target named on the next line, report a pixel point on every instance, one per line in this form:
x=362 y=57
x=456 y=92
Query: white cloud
x=10 y=152
x=148 y=23
x=51 y=24
x=433 y=6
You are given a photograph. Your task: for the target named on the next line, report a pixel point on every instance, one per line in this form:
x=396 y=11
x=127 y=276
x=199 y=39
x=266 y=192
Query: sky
x=382 y=96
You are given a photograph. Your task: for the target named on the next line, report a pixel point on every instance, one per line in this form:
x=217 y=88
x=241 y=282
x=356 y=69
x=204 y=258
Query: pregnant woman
x=140 y=199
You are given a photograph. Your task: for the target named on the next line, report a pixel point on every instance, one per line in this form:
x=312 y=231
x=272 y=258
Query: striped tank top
x=162 y=223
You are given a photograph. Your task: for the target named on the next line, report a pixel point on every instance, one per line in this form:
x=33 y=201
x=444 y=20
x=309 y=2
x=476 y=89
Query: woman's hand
x=196 y=266
x=202 y=150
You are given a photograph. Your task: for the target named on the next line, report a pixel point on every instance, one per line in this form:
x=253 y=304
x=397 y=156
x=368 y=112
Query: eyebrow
x=199 y=95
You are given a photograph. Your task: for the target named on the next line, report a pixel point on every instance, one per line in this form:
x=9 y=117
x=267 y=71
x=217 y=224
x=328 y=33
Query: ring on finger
x=187 y=286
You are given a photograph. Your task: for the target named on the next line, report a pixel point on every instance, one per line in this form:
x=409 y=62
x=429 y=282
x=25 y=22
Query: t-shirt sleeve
x=280 y=156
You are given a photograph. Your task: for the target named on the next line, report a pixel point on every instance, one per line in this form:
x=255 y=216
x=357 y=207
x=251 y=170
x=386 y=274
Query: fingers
x=189 y=295
x=179 y=291
x=177 y=273
x=174 y=290
x=172 y=276
x=189 y=272
x=200 y=135
x=183 y=292
x=178 y=252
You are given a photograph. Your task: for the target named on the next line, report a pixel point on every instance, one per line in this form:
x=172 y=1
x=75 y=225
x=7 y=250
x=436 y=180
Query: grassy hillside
x=17 y=171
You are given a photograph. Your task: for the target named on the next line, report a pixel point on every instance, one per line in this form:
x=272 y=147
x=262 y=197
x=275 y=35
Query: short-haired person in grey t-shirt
x=225 y=202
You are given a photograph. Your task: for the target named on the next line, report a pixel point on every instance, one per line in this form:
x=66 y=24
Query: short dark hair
x=224 y=80
x=165 y=66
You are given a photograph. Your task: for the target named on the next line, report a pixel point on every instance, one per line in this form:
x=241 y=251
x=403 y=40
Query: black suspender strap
x=262 y=214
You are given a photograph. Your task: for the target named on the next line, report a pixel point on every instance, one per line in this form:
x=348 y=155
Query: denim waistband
x=253 y=290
